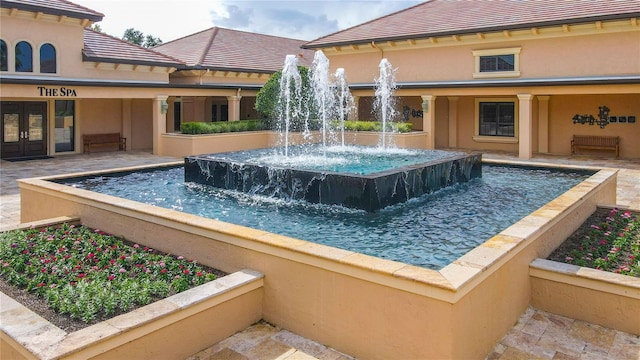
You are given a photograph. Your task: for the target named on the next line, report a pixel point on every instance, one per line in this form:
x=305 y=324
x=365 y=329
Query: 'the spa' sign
x=58 y=92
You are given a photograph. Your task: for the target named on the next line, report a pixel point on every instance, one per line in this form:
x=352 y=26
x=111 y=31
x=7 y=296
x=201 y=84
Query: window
x=48 y=59
x=24 y=57
x=496 y=120
x=497 y=63
x=65 y=123
x=4 y=56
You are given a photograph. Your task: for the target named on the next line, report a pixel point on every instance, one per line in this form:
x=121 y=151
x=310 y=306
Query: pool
x=429 y=231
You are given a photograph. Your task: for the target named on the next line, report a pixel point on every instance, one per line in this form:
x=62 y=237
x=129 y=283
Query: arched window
x=24 y=57
x=4 y=56
x=48 y=59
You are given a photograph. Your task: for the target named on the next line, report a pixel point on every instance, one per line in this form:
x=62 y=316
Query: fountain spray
x=384 y=101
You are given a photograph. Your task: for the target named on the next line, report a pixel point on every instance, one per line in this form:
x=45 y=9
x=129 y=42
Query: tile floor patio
x=537 y=334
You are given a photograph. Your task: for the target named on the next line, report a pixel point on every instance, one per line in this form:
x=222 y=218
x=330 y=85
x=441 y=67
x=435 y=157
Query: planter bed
x=175 y=327
x=600 y=297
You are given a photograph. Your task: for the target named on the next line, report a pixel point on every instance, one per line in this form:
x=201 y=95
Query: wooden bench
x=101 y=140
x=596 y=142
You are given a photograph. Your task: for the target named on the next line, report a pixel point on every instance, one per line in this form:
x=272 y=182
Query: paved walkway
x=537 y=335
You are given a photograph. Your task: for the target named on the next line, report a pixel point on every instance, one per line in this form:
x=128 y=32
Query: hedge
x=193 y=128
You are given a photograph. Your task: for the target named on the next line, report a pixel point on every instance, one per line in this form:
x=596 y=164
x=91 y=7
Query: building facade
x=61 y=80
x=482 y=75
x=503 y=75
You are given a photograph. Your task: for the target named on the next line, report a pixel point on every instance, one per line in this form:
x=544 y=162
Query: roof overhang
x=87 y=58
x=51 y=11
x=561 y=81
x=473 y=30
x=33 y=80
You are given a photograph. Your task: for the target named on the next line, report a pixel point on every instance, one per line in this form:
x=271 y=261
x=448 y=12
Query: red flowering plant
x=612 y=245
x=85 y=273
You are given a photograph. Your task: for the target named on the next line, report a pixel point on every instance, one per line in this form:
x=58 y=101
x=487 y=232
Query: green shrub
x=352 y=125
x=193 y=128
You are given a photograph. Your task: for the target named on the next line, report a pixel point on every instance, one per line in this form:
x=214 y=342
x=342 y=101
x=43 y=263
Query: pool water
x=429 y=231
x=361 y=160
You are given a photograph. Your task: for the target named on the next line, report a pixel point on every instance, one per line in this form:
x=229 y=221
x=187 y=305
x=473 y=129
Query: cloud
x=302 y=19
x=306 y=20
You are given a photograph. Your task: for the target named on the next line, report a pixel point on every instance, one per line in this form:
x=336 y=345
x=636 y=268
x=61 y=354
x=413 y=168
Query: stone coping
x=448 y=284
x=604 y=281
x=46 y=341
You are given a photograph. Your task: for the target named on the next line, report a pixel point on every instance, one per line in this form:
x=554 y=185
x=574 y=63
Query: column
x=429 y=119
x=126 y=121
x=453 y=121
x=234 y=107
x=525 y=126
x=543 y=124
x=159 y=121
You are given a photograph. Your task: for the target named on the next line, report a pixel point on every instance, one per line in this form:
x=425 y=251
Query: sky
x=302 y=19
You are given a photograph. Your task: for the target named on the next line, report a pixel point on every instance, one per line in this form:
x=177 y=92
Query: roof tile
x=448 y=17
x=225 y=49
x=102 y=47
x=54 y=7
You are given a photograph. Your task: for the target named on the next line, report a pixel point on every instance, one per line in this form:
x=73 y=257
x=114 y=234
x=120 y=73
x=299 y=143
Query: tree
x=138 y=37
x=96 y=27
x=133 y=36
x=150 y=41
x=268 y=96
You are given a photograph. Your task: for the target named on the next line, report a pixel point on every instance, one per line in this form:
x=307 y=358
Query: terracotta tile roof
x=54 y=7
x=101 y=47
x=449 y=17
x=225 y=49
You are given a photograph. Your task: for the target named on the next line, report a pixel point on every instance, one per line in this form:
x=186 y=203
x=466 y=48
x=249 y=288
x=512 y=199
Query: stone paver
x=537 y=335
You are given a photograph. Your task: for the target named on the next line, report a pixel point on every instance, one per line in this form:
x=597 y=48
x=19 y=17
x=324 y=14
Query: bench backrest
x=596 y=140
x=101 y=138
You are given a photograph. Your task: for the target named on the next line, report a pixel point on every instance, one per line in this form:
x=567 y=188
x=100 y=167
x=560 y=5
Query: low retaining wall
x=172 y=328
x=599 y=297
x=181 y=145
x=360 y=305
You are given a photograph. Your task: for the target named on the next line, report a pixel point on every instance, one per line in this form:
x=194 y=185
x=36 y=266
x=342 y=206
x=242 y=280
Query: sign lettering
x=57 y=92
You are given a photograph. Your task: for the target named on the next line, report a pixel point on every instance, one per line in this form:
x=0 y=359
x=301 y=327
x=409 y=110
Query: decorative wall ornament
x=602 y=120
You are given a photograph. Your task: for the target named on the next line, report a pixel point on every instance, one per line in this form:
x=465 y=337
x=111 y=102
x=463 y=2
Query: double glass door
x=24 y=129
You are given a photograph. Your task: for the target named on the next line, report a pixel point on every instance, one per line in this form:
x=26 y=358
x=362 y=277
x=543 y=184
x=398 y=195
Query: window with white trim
x=497 y=63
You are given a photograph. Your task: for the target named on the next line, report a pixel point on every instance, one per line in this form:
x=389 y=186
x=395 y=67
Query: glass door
x=24 y=129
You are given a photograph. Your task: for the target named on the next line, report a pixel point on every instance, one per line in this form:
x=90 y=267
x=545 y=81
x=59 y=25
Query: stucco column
x=234 y=107
x=543 y=124
x=159 y=121
x=126 y=121
x=525 y=127
x=429 y=119
x=453 y=121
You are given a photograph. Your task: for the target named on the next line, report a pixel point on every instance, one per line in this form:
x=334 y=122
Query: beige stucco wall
x=598 y=297
x=563 y=108
x=558 y=56
x=68 y=39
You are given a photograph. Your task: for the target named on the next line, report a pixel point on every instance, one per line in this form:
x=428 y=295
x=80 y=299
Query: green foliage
x=86 y=273
x=353 y=125
x=267 y=97
x=139 y=38
x=194 y=128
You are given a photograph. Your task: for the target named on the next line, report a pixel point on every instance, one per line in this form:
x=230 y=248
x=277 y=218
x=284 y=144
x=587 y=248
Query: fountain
x=299 y=173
